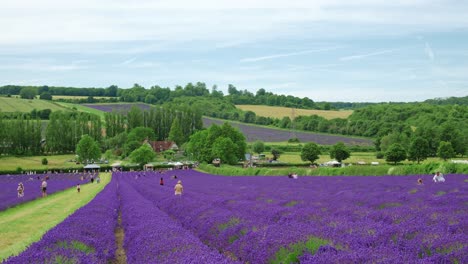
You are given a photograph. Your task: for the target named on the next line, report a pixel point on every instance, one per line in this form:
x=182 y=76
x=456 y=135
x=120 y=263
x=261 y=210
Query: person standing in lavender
x=20 y=190
x=178 y=188
x=44 y=188
x=438 y=177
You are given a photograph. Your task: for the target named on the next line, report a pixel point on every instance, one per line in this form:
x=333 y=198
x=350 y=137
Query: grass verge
x=25 y=224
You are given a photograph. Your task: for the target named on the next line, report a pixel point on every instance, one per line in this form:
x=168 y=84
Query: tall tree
x=143 y=155
x=339 y=152
x=418 y=150
x=258 y=146
x=176 y=133
x=395 y=153
x=87 y=149
x=445 y=150
x=310 y=152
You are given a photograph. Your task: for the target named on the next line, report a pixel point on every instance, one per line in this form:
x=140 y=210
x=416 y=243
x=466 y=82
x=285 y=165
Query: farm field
x=76 y=97
x=10 y=104
x=119 y=107
x=31 y=220
x=222 y=219
x=34 y=162
x=266 y=134
x=280 y=112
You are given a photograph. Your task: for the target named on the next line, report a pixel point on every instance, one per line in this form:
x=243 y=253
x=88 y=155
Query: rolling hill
x=280 y=112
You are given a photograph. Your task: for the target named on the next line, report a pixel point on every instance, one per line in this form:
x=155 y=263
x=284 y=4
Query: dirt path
x=120 y=256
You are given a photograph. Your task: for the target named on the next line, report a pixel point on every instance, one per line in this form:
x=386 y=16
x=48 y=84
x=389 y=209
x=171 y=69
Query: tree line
x=21 y=134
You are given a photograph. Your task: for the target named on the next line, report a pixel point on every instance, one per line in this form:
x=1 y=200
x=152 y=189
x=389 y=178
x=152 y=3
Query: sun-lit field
x=11 y=104
x=34 y=162
x=280 y=112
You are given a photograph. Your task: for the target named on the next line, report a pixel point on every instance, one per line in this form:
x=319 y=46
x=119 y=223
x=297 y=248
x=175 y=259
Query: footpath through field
x=25 y=224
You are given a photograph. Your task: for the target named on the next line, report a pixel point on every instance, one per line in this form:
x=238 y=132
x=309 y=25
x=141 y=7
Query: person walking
x=161 y=182
x=178 y=188
x=44 y=188
x=78 y=188
x=20 y=190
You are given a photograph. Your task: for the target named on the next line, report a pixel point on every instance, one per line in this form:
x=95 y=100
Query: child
x=78 y=187
x=420 y=181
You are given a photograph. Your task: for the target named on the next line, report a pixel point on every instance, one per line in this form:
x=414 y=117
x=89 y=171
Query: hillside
x=280 y=112
x=267 y=134
x=10 y=104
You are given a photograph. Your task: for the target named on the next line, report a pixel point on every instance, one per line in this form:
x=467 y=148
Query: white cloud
x=281 y=55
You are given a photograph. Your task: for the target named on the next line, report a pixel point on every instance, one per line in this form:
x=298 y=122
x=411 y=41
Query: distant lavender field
x=120 y=108
x=253 y=133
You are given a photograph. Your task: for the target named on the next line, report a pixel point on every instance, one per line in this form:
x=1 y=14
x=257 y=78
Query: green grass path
x=22 y=225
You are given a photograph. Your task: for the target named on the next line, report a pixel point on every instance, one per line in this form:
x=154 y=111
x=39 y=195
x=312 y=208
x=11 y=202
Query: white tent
x=91 y=167
x=332 y=163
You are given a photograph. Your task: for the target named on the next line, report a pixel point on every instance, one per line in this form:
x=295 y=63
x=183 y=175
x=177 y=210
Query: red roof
x=160 y=146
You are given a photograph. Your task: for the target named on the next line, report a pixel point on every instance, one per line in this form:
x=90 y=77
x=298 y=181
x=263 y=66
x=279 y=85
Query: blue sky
x=364 y=51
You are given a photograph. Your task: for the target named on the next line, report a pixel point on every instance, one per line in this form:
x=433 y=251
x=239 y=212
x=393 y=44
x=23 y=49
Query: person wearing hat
x=20 y=190
x=178 y=188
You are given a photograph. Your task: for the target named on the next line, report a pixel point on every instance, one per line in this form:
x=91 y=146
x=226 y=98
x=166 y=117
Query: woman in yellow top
x=178 y=188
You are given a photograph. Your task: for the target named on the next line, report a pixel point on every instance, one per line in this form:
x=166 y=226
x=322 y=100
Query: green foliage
x=258 y=146
x=276 y=154
x=176 y=134
x=339 y=152
x=143 y=155
x=224 y=149
x=291 y=253
x=418 y=150
x=293 y=140
x=87 y=149
x=202 y=144
x=395 y=153
x=45 y=96
x=44 y=161
x=135 y=117
x=136 y=137
x=445 y=150
x=310 y=152
x=28 y=93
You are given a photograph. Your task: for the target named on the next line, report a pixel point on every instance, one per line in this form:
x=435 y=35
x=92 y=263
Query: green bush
x=44 y=161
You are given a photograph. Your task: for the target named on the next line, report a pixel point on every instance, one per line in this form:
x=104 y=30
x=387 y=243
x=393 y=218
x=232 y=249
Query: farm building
x=160 y=146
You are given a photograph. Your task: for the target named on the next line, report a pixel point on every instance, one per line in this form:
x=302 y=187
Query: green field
x=82 y=108
x=25 y=224
x=280 y=112
x=34 y=162
x=10 y=104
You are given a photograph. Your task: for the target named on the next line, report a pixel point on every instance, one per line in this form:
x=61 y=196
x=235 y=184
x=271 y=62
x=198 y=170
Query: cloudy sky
x=327 y=50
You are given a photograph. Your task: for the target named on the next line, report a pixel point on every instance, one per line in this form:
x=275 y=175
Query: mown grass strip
x=25 y=224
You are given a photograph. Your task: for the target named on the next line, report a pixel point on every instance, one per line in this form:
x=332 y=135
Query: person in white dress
x=438 y=177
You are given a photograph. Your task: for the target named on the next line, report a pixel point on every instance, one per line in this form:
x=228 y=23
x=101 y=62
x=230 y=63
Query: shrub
x=44 y=161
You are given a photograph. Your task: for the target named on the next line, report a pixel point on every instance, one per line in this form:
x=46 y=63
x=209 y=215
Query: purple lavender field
x=266 y=134
x=220 y=219
x=120 y=108
x=86 y=236
x=279 y=220
x=32 y=186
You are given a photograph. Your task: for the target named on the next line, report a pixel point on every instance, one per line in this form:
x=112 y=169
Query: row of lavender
x=86 y=236
x=350 y=219
x=32 y=186
x=151 y=236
